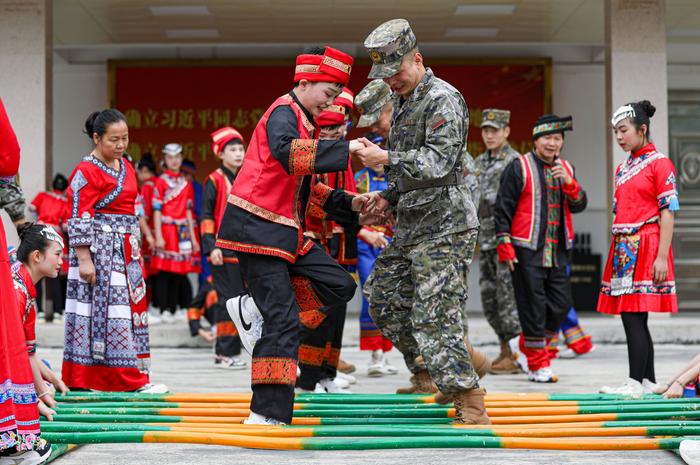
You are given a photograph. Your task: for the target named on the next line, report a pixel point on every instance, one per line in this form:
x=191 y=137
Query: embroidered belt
x=408 y=184
x=118 y=224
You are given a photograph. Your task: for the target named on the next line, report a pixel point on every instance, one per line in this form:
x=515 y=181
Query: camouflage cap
x=387 y=45
x=370 y=101
x=495 y=118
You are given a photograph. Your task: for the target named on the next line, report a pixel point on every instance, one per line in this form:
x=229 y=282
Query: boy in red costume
x=284 y=272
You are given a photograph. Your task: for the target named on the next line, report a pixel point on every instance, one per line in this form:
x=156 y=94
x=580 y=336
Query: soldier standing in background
x=420 y=286
x=497 y=295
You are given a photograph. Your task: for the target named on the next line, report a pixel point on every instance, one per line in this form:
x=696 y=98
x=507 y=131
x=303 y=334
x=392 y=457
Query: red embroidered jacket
x=267 y=203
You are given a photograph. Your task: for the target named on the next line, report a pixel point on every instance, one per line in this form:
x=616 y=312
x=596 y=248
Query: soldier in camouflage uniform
x=12 y=200
x=496 y=284
x=420 y=283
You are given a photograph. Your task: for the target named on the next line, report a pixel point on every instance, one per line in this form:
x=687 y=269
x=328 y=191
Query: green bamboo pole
x=431 y=442
x=177 y=419
x=59 y=450
x=387 y=430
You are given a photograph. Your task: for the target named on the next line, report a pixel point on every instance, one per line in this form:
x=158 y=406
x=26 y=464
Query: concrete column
x=26 y=44
x=635 y=39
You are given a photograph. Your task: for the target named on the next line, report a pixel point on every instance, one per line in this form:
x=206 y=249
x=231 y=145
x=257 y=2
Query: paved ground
x=191 y=370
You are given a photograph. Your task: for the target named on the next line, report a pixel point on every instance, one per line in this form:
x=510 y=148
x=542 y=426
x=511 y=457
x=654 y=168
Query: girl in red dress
x=39 y=255
x=19 y=416
x=175 y=235
x=51 y=208
x=638 y=276
x=106 y=335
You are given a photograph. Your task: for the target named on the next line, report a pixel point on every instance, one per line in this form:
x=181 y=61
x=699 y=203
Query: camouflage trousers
x=417 y=298
x=497 y=296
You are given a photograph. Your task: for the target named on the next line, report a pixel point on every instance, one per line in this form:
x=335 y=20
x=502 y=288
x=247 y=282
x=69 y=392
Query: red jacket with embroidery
x=271 y=190
x=521 y=211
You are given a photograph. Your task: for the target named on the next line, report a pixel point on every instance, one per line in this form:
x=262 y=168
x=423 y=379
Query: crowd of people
x=287 y=217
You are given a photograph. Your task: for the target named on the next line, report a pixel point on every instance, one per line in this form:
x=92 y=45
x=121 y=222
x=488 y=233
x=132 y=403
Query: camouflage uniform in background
x=12 y=199
x=419 y=287
x=497 y=296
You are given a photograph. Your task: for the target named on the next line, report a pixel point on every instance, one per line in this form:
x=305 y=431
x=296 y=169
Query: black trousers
x=173 y=290
x=640 y=347
x=268 y=280
x=228 y=284
x=319 y=349
x=543 y=297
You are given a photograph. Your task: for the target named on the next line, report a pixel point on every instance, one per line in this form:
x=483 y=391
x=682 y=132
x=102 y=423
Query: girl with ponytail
x=639 y=277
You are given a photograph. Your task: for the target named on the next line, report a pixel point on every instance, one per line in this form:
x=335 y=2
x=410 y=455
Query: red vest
x=526 y=227
x=262 y=186
x=223 y=186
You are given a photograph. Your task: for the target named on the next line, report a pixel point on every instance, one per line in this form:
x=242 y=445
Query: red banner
x=184 y=103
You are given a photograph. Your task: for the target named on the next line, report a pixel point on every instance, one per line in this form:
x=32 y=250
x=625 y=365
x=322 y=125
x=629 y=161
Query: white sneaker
x=376 y=366
x=690 y=451
x=151 y=388
x=388 y=367
x=631 y=387
x=247 y=318
x=543 y=375
x=154 y=318
x=318 y=389
x=569 y=353
x=349 y=378
x=167 y=317
x=340 y=382
x=520 y=358
x=231 y=363
x=332 y=387
x=649 y=387
x=181 y=314
x=257 y=419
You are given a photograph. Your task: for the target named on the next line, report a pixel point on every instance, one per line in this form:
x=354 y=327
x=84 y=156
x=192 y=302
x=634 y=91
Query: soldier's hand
x=375 y=203
x=511 y=264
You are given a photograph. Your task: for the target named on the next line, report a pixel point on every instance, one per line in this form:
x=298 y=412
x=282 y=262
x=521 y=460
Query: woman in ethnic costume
x=19 y=417
x=106 y=332
x=176 y=239
x=39 y=256
x=638 y=276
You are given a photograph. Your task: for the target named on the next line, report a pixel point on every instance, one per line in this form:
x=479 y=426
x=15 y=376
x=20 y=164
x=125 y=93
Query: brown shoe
x=480 y=361
x=421 y=383
x=470 y=408
x=505 y=363
x=345 y=367
x=444 y=399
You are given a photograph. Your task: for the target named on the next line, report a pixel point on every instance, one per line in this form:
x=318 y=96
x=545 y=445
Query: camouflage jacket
x=428 y=141
x=12 y=200
x=489 y=167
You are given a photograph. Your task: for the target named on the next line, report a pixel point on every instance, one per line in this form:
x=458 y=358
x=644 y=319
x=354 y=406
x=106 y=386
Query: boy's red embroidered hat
x=332 y=66
x=223 y=136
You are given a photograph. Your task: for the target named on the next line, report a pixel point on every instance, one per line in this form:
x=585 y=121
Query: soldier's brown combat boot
x=505 y=363
x=470 y=408
x=480 y=361
x=482 y=365
x=421 y=383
